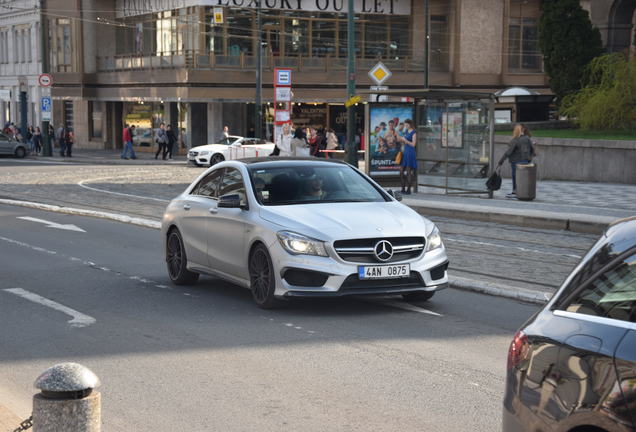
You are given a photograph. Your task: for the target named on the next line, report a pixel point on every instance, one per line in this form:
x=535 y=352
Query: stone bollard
x=68 y=401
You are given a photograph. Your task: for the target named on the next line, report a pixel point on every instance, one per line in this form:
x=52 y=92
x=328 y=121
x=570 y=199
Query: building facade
x=147 y=61
x=19 y=59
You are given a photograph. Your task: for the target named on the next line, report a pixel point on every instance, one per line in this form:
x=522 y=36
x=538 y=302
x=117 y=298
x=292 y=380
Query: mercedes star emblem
x=383 y=250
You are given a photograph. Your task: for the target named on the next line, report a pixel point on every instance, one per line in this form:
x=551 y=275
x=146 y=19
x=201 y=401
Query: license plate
x=384 y=272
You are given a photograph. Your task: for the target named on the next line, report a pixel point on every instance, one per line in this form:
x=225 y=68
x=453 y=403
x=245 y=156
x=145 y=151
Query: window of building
x=323 y=37
x=439 y=52
x=297 y=36
x=239 y=32
x=523 y=45
x=95 y=113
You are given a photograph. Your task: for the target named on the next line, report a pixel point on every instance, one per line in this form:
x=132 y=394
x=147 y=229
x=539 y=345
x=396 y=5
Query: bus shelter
x=455 y=137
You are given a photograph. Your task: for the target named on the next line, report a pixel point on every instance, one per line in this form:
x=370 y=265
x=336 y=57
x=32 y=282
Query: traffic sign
x=45 y=104
x=380 y=73
x=283 y=77
x=45 y=80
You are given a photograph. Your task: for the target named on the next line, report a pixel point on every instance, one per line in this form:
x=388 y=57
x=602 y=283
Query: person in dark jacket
x=520 y=151
x=320 y=143
x=172 y=139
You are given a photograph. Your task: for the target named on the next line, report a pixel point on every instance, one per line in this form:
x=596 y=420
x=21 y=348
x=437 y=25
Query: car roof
x=282 y=161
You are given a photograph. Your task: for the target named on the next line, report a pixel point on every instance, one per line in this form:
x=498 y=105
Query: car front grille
x=362 y=250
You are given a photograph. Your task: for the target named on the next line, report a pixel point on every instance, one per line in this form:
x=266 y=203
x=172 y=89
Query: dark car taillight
x=519 y=349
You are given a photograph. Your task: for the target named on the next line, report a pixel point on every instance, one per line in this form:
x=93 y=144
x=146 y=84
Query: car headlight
x=434 y=240
x=297 y=244
x=203 y=153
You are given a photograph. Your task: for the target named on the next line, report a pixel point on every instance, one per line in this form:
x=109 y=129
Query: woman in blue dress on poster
x=408 y=165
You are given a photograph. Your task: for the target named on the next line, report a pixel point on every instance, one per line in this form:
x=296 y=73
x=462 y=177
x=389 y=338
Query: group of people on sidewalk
x=306 y=142
x=165 y=138
x=63 y=138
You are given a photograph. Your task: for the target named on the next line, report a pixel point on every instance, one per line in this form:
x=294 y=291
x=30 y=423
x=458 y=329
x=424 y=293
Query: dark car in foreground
x=572 y=367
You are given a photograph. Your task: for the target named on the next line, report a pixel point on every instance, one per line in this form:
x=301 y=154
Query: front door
x=226 y=240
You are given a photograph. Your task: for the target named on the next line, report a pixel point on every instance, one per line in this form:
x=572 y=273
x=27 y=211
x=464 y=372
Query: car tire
x=262 y=278
x=418 y=296
x=20 y=152
x=177 y=261
x=216 y=158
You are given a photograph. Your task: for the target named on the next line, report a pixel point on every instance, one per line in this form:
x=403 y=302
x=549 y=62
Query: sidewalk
x=580 y=207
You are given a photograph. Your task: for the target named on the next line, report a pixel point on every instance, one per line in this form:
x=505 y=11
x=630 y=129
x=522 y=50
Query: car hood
x=210 y=147
x=333 y=221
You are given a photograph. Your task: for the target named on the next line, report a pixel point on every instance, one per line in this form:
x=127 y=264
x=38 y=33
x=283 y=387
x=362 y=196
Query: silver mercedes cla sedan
x=301 y=228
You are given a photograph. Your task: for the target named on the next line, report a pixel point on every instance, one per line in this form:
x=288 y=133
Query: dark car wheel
x=418 y=296
x=216 y=159
x=177 y=261
x=262 y=278
x=20 y=152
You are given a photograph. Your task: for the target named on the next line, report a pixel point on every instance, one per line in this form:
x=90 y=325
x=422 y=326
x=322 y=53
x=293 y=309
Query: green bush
x=607 y=100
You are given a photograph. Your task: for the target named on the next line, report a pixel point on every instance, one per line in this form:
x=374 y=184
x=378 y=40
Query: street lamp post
x=258 y=105
x=47 y=149
x=351 y=154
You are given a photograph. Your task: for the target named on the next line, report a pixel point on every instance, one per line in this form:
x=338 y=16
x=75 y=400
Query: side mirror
x=395 y=194
x=230 y=201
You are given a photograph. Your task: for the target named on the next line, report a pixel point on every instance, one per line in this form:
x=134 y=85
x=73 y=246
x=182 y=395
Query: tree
x=568 y=43
x=607 y=100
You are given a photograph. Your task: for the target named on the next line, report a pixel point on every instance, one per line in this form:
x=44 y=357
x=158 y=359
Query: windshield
x=228 y=140
x=307 y=184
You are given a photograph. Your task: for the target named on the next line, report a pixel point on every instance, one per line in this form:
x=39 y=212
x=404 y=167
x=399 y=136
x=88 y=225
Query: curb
x=494 y=289
x=581 y=223
x=499 y=290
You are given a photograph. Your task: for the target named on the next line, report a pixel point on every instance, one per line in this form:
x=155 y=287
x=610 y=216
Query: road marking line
x=79 y=319
x=405 y=306
x=148 y=223
x=81 y=184
x=49 y=224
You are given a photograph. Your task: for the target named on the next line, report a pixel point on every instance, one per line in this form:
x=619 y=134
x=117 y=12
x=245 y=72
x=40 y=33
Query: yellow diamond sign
x=380 y=73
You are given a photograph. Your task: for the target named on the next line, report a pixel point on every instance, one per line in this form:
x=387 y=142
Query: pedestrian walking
x=172 y=139
x=51 y=133
x=60 y=137
x=332 y=141
x=520 y=151
x=29 y=138
x=408 y=164
x=127 y=138
x=284 y=143
x=299 y=144
x=37 y=140
x=320 y=143
x=162 y=140
x=70 y=140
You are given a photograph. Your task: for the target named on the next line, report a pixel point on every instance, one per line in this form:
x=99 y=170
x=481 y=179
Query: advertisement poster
x=386 y=124
x=452 y=130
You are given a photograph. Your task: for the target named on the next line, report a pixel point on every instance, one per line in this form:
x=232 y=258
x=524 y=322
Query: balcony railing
x=210 y=61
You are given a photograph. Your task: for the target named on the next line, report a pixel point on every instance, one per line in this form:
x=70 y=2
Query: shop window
x=239 y=30
x=523 y=45
x=439 y=52
x=342 y=31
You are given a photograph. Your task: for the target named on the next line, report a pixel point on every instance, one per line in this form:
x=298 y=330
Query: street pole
x=258 y=108
x=351 y=154
x=427 y=45
x=47 y=149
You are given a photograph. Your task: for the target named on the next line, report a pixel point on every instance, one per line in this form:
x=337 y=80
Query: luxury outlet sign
x=127 y=8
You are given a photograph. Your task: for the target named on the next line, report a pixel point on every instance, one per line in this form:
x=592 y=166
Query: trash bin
x=526 y=181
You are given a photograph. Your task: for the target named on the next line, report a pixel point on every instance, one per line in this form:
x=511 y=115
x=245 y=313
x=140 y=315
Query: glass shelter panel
x=453 y=145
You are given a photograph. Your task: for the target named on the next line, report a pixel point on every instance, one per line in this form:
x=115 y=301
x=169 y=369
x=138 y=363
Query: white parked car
x=288 y=227
x=232 y=147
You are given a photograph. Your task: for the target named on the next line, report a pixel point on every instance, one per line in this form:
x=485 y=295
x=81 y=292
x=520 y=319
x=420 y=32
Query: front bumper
x=313 y=276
